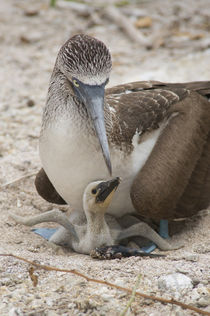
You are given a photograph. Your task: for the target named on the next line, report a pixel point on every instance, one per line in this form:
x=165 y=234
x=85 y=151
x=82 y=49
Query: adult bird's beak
x=106 y=189
x=93 y=98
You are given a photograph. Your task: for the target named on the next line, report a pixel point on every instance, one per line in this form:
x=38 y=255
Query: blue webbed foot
x=163 y=232
x=151 y=247
x=44 y=232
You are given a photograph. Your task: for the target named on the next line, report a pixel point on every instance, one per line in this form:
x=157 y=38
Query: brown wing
x=141 y=106
x=46 y=190
x=171 y=183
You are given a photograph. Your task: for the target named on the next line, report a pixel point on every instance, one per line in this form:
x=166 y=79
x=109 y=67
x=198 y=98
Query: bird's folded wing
x=163 y=179
x=46 y=190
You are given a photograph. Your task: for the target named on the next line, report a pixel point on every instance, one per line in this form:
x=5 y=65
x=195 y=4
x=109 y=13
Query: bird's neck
x=96 y=223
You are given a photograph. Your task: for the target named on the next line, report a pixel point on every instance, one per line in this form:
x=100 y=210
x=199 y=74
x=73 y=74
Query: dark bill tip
x=106 y=188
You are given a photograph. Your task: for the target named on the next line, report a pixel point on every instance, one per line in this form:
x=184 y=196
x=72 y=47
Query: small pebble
x=15 y=312
x=182 y=270
x=205 y=282
x=30 y=103
x=175 y=282
x=203 y=302
x=195 y=281
x=203 y=248
x=25 y=39
x=31 y=12
x=192 y=258
x=107 y=297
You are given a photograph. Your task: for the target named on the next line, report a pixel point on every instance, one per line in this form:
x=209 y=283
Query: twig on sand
x=113 y=14
x=28 y=175
x=75 y=272
x=124 y=23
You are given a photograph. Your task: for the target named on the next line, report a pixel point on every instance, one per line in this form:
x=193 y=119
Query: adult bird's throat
x=93 y=98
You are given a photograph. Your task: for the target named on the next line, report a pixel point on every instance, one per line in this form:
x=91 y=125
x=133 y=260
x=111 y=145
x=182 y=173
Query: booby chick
x=154 y=135
x=97 y=231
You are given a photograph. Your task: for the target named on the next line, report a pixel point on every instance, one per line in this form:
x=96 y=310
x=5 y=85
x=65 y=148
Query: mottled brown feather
x=142 y=110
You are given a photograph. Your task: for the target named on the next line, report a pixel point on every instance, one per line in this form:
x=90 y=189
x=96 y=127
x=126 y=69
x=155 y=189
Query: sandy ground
x=31 y=34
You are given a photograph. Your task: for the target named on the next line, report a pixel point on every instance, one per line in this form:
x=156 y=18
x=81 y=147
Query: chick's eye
x=75 y=82
x=94 y=191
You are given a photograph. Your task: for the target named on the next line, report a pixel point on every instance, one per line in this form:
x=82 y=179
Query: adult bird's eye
x=94 y=191
x=75 y=82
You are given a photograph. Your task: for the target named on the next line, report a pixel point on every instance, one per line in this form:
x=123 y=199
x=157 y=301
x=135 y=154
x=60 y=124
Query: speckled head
x=86 y=59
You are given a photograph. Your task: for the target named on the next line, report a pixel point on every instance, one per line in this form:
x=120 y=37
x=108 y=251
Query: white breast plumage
x=72 y=160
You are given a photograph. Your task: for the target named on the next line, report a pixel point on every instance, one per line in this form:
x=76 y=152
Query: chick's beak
x=106 y=189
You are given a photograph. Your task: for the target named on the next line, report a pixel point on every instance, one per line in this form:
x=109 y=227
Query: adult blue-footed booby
x=155 y=136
